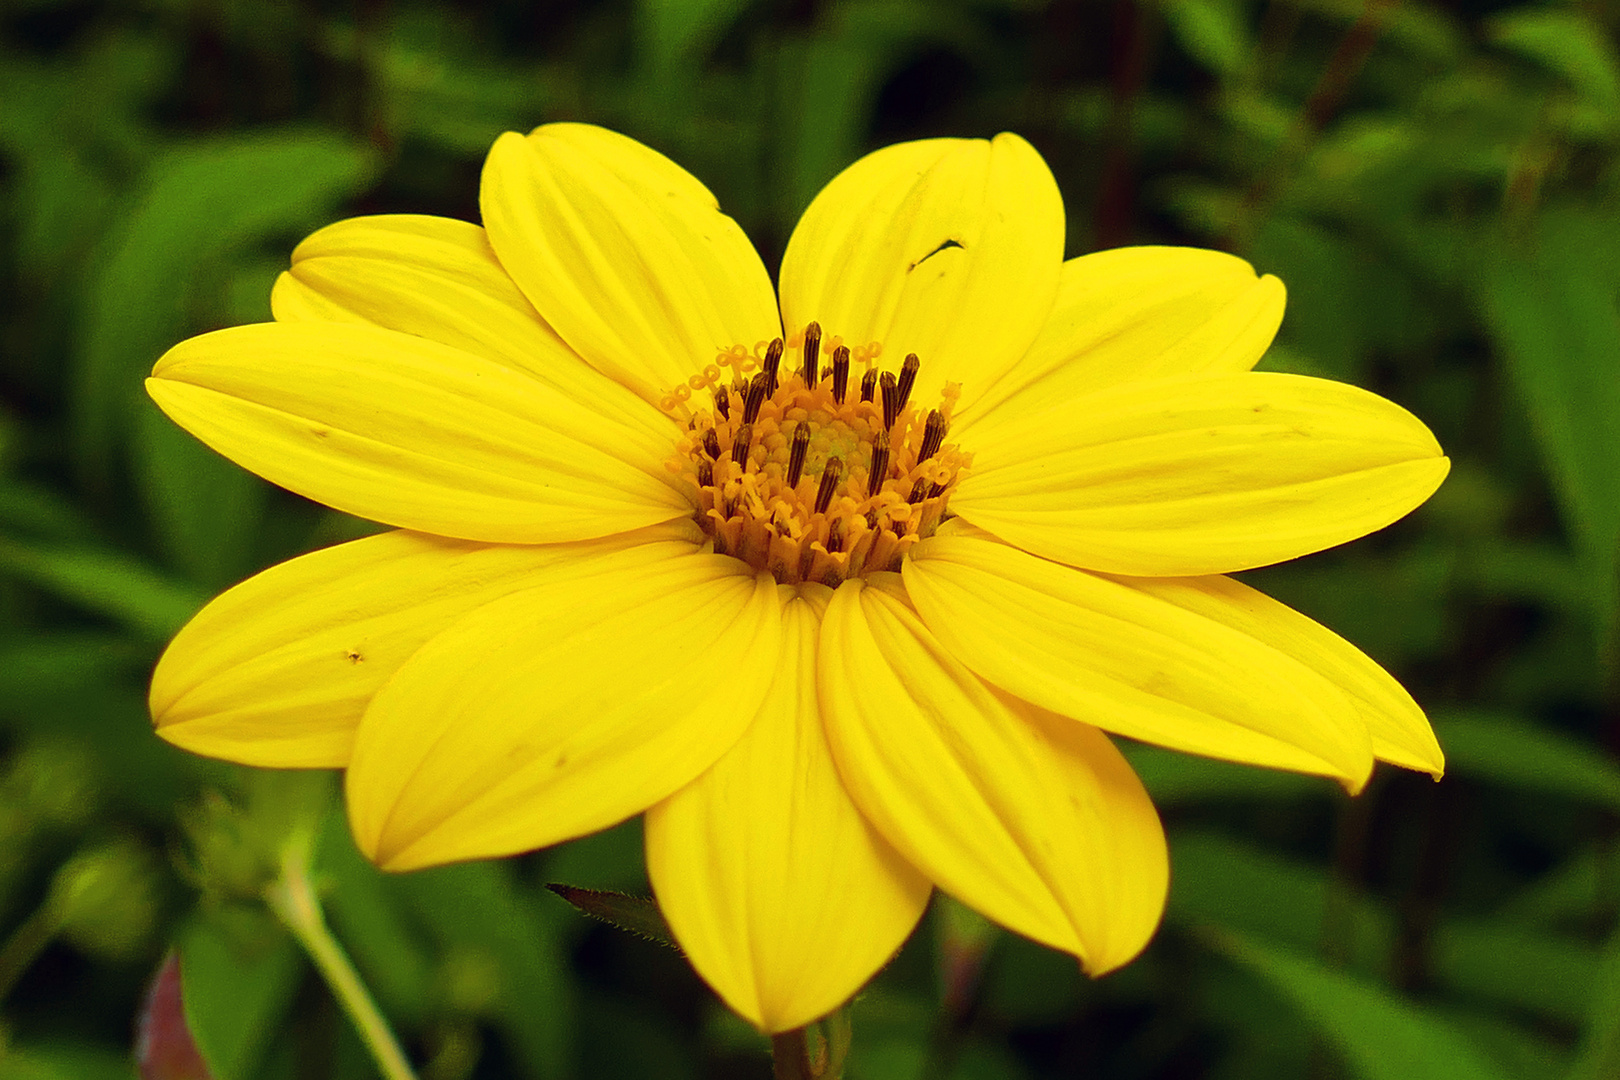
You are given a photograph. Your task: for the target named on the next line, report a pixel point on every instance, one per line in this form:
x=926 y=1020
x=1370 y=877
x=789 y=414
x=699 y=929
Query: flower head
x=841 y=591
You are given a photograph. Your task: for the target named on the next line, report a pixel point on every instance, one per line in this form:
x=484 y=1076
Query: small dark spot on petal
x=943 y=245
x=353 y=656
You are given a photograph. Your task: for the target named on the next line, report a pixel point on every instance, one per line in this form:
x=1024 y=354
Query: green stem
x=813 y=1052
x=790 y=1056
x=25 y=944
x=292 y=897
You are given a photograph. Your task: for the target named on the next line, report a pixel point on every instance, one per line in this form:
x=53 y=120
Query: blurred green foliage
x=1438 y=183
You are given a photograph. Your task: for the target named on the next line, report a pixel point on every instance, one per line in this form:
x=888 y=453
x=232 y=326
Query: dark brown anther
x=933 y=435
x=908 y=376
x=919 y=491
x=796 y=452
x=840 y=372
x=833 y=578
x=812 y=353
x=871 y=518
x=835 y=536
x=755 y=397
x=891 y=399
x=807 y=559
x=935 y=490
x=773 y=360
x=869 y=384
x=705 y=474
x=880 y=464
x=830 y=476
x=739 y=446
x=711 y=444
x=722 y=402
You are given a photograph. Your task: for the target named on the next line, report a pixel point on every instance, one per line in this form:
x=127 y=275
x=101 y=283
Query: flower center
x=815 y=473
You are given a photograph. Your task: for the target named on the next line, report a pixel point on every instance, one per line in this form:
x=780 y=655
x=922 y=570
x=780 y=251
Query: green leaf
x=1214 y=31
x=200 y=204
x=1244 y=888
x=830 y=82
x=208 y=509
x=1598 y=1055
x=41 y=666
x=1567 y=42
x=1569 y=893
x=38 y=511
x=1175 y=779
x=62 y=1061
x=674 y=32
x=1379 y=1035
x=477 y=908
x=236 y=989
x=1509 y=751
x=1549 y=301
x=1493 y=960
x=637 y=914
x=107 y=582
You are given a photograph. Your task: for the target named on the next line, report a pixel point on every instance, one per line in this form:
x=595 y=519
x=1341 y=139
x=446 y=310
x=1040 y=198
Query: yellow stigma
x=814 y=473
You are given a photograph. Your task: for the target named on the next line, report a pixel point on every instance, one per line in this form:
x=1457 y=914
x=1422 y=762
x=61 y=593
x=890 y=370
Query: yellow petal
x=1140 y=313
x=1401 y=734
x=1032 y=819
x=781 y=894
x=438 y=278
x=277 y=671
x=562 y=709
x=624 y=254
x=413 y=433
x=1202 y=474
x=947 y=248
x=1132 y=661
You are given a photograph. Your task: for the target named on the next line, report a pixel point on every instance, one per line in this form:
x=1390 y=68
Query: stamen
x=773 y=358
x=752 y=456
x=891 y=399
x=812 y=353
x=754 y=398
x=830 y=476
x=801 y=443
x=933 y=435
x=908 y=375
x=840 y=373
x=880 y=463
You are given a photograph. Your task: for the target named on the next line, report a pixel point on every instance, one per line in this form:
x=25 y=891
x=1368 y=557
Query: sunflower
x=842 y=590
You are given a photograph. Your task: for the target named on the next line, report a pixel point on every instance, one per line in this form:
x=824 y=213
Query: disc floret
x=813 y=472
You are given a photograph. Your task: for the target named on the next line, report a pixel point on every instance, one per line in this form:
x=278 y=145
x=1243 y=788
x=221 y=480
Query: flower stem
x=815 y=1051
x=292 y=897
x=25 y=944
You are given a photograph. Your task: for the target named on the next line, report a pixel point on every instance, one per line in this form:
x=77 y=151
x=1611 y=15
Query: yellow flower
x=842 y=593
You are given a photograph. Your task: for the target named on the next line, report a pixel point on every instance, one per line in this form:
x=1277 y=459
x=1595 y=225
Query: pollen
x=814 y=471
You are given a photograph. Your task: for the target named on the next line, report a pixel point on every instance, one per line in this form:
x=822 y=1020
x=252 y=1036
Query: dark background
x=1436 y=183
